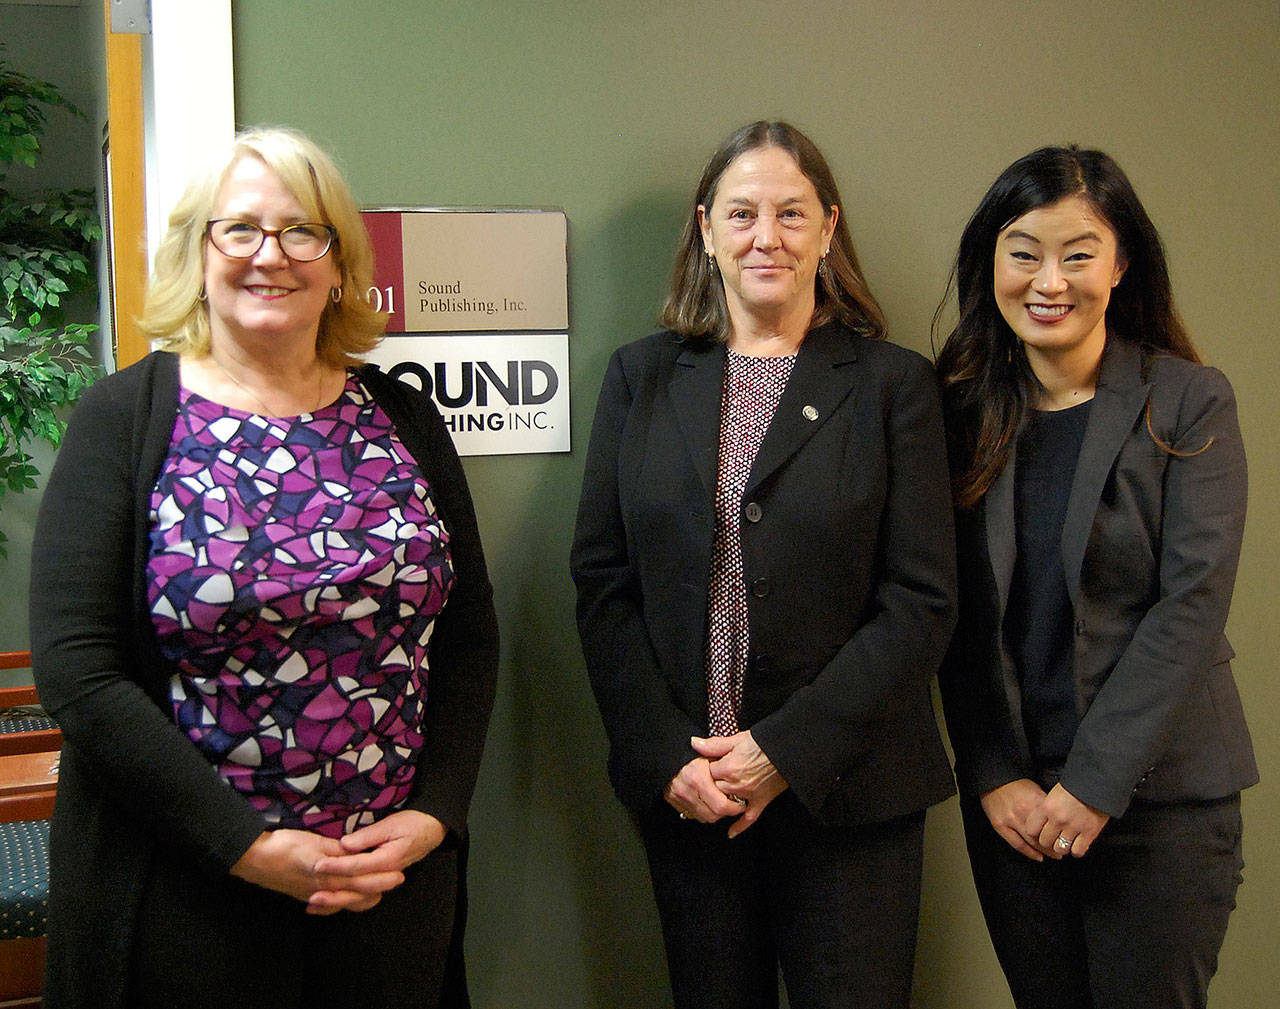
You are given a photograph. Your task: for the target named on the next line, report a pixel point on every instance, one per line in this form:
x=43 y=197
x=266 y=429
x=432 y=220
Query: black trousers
x=1135 y=924
x=209 y=943
x=837 y=910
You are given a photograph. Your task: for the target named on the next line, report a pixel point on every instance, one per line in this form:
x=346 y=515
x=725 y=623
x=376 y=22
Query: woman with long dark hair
x=1100 y=485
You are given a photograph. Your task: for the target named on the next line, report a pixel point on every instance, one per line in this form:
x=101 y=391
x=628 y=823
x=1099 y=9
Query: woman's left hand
x=743 y=772
x=390 y=845
x=1063 y=825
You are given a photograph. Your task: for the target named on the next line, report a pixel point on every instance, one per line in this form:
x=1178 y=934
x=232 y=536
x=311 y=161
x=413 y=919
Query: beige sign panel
x=458 y=271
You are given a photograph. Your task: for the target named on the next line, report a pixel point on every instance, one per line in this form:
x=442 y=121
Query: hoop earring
x=203 y=295
x=335 y=294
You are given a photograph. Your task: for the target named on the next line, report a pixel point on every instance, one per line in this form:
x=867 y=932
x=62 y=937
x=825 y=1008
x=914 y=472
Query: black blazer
x=848 y=557
x=1149 y=547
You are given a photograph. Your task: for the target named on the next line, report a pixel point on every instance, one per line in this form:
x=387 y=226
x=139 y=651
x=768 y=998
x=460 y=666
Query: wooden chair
x=24 y=727
x=29 y=747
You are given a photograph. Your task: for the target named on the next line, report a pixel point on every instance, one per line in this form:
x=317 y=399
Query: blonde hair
x=175 y=313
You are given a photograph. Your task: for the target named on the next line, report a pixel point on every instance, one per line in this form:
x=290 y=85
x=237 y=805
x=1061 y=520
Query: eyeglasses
x=303 y=243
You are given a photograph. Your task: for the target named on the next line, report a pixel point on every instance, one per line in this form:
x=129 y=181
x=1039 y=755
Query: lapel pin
x=810 y=412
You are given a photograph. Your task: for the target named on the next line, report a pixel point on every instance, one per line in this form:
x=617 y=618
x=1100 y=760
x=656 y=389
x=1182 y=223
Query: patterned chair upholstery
x=25 y=718
x=29 y=742
x=24 y=878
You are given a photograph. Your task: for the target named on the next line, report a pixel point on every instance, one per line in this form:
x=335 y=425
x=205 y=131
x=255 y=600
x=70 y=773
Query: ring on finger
x=1062 y=843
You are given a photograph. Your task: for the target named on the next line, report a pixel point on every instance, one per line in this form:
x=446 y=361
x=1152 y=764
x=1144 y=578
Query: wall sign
x=457 y=271
x=499 y=394
x=464 y=289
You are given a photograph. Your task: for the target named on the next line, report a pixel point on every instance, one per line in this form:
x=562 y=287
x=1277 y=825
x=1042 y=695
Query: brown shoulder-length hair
x=987 y=384
x=696 y=308
x=175 y=313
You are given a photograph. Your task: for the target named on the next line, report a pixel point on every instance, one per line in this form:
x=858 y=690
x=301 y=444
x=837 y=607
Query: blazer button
x=1079 y=628
x=753 y=512
x=760 y=588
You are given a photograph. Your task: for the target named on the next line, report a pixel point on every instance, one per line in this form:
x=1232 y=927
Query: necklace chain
x=258 y=399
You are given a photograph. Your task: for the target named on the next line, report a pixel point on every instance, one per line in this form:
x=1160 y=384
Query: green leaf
x=46 y=244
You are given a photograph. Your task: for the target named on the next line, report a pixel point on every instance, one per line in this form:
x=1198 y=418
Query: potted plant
x=45 y=244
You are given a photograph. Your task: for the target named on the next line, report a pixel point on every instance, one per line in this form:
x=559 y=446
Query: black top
x=1038 y=626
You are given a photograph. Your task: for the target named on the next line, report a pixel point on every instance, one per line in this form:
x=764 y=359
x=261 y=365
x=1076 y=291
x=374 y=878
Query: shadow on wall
x=549 y=834
x=629 y=265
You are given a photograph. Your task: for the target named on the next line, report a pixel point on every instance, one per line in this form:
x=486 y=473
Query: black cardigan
x=130 y=781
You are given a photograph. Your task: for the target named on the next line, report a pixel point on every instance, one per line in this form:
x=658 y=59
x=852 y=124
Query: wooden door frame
x=124 y=161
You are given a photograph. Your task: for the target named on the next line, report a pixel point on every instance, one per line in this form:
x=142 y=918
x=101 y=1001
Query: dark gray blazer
x=1149 y=547
x=848 y=556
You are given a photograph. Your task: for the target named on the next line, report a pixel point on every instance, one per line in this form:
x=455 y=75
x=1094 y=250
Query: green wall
x=608 y=109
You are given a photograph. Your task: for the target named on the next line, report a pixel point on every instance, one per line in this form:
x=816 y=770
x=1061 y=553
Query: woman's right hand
x=1007 y=807
x=285 y=861
x=694 y=794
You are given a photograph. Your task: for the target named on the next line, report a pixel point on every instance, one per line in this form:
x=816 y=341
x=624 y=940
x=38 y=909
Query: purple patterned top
x=297 y=566
x=749 y=399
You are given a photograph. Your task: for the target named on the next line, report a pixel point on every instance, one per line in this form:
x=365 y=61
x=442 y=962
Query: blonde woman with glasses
x=261 y=614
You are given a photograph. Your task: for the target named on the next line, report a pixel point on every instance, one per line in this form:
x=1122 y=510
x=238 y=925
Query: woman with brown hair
x=764 y=566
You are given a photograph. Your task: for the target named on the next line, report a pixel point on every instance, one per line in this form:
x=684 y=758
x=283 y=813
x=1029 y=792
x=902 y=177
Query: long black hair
x=987 y=383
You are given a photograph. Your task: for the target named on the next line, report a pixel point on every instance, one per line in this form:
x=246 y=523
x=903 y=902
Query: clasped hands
x=350 y=873
x=1038 y=823
x=730 y=777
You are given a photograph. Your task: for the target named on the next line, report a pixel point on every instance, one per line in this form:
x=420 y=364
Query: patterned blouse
x=752 y=388
x=297 y=566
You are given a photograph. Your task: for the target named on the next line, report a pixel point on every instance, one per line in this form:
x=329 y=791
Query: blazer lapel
x=695 y=392
x=998 y=518
x=1002 y=548
x=820 y=380
x=1121 y=394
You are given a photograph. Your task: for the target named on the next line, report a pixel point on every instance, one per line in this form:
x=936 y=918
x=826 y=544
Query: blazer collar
x=820 y=380
x=998 y=517
x=1118 y=401
x=695 y=390
x=817 y=385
